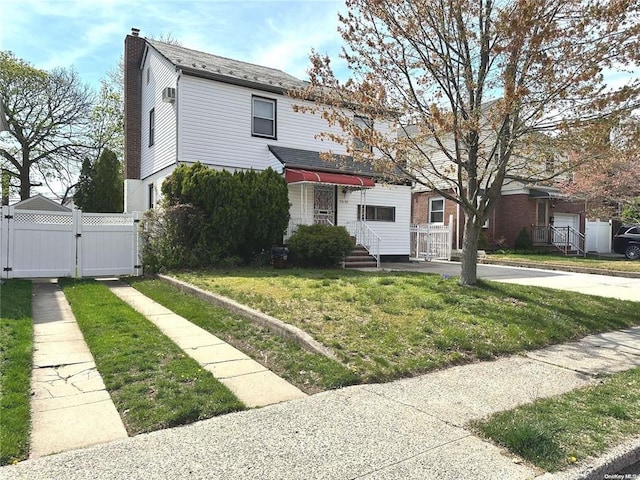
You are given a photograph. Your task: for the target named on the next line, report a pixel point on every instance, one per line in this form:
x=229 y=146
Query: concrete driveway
x=590 y=284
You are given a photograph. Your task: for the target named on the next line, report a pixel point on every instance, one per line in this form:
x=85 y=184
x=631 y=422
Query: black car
x=627 y=241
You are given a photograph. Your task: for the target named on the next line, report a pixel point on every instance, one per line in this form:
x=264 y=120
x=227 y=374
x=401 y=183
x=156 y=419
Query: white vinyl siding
x=395 y=235
x=216 y=121
x=162 y=153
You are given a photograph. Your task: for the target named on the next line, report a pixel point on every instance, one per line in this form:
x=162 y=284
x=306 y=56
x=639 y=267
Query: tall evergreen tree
x=100 y=186
x=109 y=183
x=83 y=197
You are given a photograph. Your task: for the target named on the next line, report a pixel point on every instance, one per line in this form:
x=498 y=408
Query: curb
x=560 y=268
x=273 y=324
x=605 y=466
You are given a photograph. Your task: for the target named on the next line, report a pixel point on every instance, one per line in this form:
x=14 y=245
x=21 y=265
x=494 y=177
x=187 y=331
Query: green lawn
x=383 y=325
x=308 y=371
x=605 y=264
x=556 y=432
x=152 y=382
x=16 y=350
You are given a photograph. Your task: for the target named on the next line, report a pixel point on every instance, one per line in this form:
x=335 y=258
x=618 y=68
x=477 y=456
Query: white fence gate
x=431 y=241
x=597 y=236
x=36 y=243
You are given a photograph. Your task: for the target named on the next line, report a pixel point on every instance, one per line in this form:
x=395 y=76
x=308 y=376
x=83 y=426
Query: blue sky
x=89 y=34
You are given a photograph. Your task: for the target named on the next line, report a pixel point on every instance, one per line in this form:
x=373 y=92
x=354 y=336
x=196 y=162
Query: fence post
x=5 y=244
x=137 y=260
x=450 y=242
x=77 y=239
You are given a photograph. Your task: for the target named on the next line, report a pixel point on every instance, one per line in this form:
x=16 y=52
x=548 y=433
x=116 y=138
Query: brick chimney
x=133 y=50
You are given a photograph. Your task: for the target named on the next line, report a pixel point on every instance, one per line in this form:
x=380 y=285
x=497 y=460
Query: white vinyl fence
x=598 y=236
x=431 y=241
x=43 y=244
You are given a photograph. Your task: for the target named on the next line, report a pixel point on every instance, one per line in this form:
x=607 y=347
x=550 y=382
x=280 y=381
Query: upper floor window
x=148 y=75
x=364 y=124
x=152 y=126
x=377 y=213
x=436 y=210
x=263 y=117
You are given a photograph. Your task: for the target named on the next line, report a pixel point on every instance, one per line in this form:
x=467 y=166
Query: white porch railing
x=431 y=242
x=366 y=237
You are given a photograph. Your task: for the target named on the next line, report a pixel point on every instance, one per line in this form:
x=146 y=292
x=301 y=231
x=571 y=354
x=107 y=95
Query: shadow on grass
x=16 y=351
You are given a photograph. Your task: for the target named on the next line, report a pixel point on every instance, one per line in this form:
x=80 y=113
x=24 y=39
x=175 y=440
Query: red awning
x=300 y=176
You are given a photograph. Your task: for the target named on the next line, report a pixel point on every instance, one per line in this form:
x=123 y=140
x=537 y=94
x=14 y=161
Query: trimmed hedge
x=320 y=245
x=210 y=217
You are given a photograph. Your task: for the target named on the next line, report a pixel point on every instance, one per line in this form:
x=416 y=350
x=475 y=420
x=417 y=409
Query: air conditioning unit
x=169 y=95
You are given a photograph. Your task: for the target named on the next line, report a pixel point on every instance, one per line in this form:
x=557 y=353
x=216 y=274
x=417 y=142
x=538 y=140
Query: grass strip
x=16 y=354
x=545 y=260
x=308 y=371
x=152 y=382
x=383 y=325
x=557 y=432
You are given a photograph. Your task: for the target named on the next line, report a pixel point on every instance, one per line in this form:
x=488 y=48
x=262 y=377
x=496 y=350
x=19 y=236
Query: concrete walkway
x=70 y=407
x=413 y=428
x=252 y=383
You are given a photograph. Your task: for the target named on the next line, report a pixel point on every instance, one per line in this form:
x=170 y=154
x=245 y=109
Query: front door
x=541 y=229
x=324 y=204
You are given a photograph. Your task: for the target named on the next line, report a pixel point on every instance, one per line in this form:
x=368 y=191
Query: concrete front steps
x=360 y=258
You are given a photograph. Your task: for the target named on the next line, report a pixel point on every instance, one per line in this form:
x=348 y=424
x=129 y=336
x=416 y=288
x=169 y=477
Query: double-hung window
x=436 y=210
x=263 y=117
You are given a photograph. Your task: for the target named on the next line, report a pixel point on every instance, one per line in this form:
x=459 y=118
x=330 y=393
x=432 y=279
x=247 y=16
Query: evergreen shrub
x=320 y=245
x=524 y=242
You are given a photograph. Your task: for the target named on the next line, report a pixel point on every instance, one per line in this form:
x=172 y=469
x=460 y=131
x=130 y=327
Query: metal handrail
x=567 y=238
x=366 y=237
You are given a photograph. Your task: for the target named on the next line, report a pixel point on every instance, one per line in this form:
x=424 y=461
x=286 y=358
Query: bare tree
x=48 y=116
x=478 y=91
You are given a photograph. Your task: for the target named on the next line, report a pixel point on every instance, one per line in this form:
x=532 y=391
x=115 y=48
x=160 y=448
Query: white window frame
x=274 y=106
x=432 y=200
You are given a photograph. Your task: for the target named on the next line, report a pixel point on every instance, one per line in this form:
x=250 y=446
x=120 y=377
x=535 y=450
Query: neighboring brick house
x=184 y=106
x=533 y=207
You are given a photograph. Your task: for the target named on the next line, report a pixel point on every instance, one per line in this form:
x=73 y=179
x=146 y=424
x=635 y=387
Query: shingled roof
x=227 y=70
x=310 y=160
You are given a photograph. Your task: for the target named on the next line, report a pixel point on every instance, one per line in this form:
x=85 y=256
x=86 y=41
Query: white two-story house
x=184 y=106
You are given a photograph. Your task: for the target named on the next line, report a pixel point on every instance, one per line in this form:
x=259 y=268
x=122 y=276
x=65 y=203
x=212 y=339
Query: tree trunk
x=25 y=175
x=469 y=259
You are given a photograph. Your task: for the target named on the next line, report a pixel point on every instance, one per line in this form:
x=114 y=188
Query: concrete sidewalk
x=408 y=429
x=70 y=407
